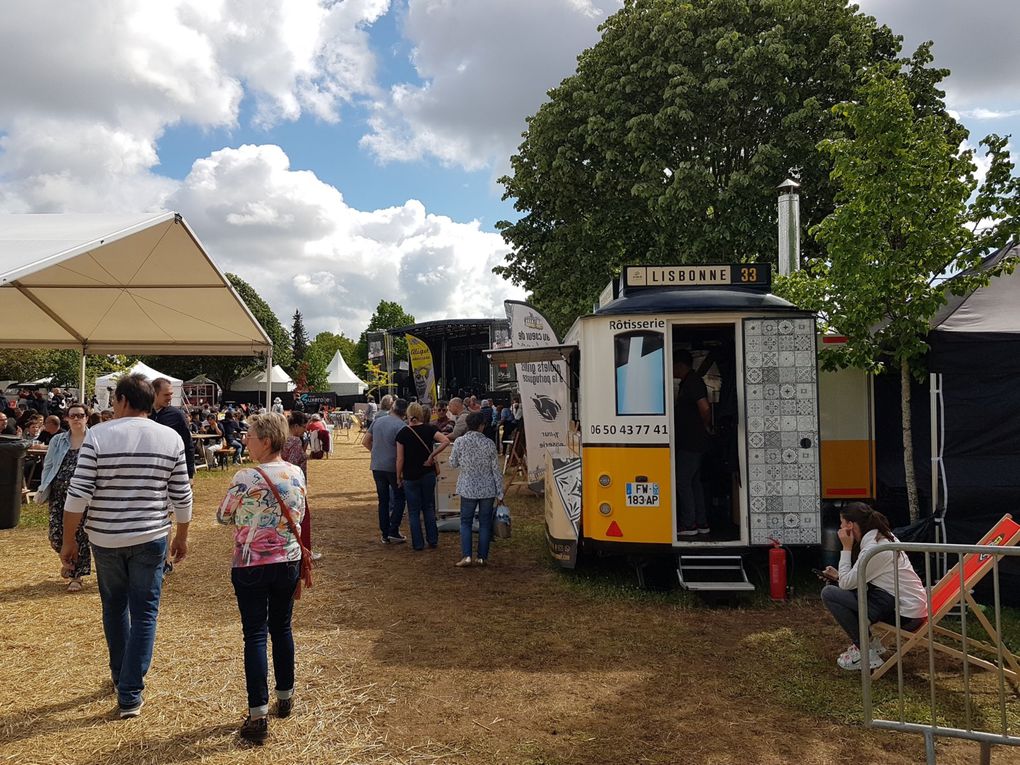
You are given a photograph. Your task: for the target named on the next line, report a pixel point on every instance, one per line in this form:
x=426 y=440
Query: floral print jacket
x=262 y=535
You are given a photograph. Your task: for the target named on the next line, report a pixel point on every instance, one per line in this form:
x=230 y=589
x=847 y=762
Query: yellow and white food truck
x=613 y=489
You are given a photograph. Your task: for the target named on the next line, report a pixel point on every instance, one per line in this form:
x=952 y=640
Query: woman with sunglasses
x=61 y=460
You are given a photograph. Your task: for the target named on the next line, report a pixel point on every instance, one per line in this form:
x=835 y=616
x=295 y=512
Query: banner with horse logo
x=545 y=398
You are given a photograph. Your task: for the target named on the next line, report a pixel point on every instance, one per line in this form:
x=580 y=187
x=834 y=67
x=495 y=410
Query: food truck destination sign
x=734 y=275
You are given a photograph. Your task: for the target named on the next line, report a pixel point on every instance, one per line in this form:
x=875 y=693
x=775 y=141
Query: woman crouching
x=860 y=529
x=267 y=565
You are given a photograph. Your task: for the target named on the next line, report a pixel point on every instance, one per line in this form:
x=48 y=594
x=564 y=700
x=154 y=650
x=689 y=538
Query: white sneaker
x=463 y=562
x=850 y=659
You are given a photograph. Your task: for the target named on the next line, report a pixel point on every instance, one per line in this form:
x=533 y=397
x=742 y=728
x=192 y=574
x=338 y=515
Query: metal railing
x=931 y=729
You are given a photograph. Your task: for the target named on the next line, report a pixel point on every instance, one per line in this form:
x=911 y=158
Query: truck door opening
x=705 y=434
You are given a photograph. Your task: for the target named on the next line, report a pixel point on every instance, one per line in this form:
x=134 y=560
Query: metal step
x=715 y=573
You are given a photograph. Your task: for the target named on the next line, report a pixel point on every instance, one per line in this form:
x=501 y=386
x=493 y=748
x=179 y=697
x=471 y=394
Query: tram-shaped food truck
x=614 y=487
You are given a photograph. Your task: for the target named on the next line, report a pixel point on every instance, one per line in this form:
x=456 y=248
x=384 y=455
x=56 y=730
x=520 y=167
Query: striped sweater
x=131 y=471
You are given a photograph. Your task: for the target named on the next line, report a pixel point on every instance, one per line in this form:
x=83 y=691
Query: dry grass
x=404 y=659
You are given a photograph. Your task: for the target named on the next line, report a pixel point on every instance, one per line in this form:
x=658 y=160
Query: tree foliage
x=299 y=338
x=388 y=315
x=63 y=366
x=667 y=144
x=321 y=351
x=906 y=217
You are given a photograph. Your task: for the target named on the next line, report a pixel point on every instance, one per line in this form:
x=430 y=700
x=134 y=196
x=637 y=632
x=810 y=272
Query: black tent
x=967 y=413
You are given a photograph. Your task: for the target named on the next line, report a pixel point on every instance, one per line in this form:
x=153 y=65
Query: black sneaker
x=284 y=707
x=132 y=711
x=255 y=730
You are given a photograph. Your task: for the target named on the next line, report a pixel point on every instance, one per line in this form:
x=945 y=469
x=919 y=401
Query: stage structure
x=457 y=345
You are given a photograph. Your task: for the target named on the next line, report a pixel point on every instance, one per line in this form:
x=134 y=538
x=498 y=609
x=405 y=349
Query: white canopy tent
x=106 y=383
x=342 y=380
x=118 y=284
x=281 y=381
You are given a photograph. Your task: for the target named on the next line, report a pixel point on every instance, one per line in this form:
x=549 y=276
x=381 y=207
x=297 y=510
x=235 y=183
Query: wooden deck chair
x=944 y=596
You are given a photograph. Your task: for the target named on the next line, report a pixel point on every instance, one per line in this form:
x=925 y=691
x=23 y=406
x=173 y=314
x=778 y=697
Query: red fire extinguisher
x=777 y=571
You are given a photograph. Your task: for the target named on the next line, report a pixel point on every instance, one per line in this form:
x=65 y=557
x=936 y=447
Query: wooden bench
x=221 y=456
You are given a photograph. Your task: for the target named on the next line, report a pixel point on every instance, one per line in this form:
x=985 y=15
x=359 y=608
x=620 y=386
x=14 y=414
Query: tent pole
x=81 y=377
x=269 y=380
x=444 y=393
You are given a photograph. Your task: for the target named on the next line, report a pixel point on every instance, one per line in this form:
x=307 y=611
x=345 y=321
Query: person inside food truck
x=692 y=428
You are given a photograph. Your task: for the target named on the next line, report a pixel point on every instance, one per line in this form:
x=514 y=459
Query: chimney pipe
x=789 y=227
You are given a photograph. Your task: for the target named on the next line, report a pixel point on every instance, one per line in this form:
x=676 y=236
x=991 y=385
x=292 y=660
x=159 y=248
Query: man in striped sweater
x=131 y=471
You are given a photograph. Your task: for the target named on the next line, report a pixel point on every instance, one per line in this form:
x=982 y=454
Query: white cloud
x=988 y=114
x=294 y=238
x=976 y=41
x=89 y=87
x=484 y=68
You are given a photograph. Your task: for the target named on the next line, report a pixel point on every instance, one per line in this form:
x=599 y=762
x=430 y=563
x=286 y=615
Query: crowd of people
x=120 y=498
x=405 y=440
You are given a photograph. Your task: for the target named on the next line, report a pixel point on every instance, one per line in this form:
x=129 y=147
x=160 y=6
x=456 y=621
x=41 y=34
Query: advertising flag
x=422 y=369
x=545 y=398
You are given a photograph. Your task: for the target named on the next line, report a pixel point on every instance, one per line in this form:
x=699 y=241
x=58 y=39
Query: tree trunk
x=913 y=503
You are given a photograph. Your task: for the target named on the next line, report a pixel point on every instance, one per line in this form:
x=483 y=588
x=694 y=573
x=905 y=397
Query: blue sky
x=335 y=154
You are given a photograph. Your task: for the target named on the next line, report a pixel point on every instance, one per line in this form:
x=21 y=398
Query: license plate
x=642 y=495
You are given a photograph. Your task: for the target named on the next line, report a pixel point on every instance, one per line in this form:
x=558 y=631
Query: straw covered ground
x=403 y=658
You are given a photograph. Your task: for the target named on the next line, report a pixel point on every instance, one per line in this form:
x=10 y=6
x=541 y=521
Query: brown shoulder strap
x=283 y=505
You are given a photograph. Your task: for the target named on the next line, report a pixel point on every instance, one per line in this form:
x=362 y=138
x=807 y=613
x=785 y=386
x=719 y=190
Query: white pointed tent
x=342 y=380
x=106 y=383
x=118 y=284
x=257 y=381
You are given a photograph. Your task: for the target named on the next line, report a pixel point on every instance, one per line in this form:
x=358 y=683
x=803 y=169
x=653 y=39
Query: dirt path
x=404 y=658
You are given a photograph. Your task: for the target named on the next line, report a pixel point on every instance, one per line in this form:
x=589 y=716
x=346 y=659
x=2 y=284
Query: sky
x=338 y=153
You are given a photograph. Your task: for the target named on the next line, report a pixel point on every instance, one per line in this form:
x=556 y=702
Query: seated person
x=212 y=445
x=31 y=426
x=8 y=427
x=232 y=435
x=50 y=428
x=860 y=529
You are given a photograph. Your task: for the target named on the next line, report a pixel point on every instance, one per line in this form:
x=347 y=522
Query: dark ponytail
x=867 y=518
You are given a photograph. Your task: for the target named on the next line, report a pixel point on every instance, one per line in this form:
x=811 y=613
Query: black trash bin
x=12 y=476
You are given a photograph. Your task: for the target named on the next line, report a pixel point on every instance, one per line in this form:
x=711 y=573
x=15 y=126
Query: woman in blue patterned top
x=479 y=485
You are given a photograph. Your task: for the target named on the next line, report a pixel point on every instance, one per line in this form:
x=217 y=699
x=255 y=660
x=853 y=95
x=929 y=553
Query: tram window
x=640 y=374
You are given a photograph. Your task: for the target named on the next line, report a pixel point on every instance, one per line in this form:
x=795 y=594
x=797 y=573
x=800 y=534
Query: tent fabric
x=118 y=284
x=256 y=381
x=106 y=382
x=341 y=379
x=974 y=344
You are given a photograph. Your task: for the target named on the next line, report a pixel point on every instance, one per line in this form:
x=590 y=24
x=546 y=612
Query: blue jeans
x=421 y=501
x=238 y=448
x=265 y=598
x=391 y=502
x=690 y=494
x=130 y=583
x=485 y=509
x=845 y=608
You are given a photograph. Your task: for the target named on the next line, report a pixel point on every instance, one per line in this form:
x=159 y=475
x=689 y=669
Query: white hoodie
x=883 y=569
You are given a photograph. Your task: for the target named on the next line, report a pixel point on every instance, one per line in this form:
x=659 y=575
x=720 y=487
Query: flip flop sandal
x=74 y=586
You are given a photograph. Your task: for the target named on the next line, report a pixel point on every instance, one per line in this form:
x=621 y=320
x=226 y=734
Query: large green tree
x=388 y=315
x=667 y=144
x=906 y=216
x=226 y=369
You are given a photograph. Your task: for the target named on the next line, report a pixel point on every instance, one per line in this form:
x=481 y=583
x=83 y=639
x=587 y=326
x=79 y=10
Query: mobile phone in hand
x=822 y=575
